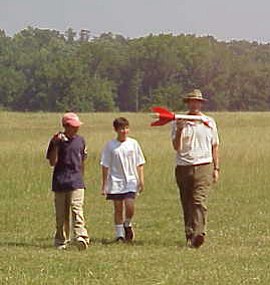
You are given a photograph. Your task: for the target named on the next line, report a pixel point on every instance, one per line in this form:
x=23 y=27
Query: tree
x=42 y=69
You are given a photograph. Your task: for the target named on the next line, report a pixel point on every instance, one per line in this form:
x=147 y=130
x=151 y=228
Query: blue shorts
x=128 y=195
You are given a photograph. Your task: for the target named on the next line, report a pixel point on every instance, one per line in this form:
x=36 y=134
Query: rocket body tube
x=189 y=117
x=164 y=116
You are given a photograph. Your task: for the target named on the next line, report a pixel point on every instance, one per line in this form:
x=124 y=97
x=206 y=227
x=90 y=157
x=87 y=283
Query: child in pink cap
x=66 y=153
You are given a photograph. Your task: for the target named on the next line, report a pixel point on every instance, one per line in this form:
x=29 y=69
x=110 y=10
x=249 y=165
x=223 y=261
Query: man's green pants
x=194 y=183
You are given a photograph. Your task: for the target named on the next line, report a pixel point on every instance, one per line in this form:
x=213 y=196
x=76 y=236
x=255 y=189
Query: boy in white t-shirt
x=122 y=163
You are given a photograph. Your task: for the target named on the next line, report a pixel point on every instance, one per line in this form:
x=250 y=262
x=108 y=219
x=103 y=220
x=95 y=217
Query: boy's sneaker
x=129 y=233
x=119 y=240
x=61 y=247
x=81 y=243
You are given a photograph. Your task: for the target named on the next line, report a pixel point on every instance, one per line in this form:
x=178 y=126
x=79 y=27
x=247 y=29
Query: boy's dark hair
x=120 y=122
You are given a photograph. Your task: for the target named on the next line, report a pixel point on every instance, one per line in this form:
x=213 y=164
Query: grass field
x=237 y=249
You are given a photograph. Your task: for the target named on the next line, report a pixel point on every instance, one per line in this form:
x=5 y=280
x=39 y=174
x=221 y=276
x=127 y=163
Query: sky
x=225 y=20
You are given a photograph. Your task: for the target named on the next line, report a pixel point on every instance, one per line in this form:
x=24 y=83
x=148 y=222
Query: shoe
x=129 y=234
x=189 y=241
x=197 y=241
x=119 y=240
x=81 y=243
x=61 y=247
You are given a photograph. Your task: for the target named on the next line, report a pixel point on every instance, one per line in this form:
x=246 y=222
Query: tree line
x=45 y=70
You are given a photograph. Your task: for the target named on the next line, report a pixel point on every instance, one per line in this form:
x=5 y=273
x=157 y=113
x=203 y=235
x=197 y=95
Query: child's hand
x=103 y=191
x=141 y=187
x=56 y=138
x=59 y=137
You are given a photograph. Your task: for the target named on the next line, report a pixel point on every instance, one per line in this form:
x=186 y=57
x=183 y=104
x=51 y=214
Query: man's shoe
x=129 y=234
x=81 y=243
x=197 y=241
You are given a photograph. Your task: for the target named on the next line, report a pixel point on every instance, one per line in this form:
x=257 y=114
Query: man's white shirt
x=122 y=160
x=197 y=139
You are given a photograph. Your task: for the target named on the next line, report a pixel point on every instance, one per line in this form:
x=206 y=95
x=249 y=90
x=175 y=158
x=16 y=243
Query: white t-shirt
x=122 y=159
x=197 y=139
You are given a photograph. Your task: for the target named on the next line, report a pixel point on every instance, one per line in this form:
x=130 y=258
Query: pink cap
x=71 y=119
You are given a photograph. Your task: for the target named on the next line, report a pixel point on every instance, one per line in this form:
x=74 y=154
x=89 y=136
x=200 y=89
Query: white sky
x=225 y=20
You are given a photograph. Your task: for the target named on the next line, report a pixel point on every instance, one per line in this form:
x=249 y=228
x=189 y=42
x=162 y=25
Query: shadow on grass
x=25 y=244
x=47 y=243
x=41 y=243
x=165 y=243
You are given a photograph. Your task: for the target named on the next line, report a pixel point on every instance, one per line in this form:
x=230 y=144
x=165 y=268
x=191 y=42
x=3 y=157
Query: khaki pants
x=194 y=183
x=69 y=204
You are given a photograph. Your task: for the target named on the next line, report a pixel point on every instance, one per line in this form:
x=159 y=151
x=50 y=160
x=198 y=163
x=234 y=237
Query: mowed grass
x=237 y=249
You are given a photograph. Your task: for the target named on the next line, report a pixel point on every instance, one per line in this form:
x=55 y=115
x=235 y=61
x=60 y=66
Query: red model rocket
x=164 y=116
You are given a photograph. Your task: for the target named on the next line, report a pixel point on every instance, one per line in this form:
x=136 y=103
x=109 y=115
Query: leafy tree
x=42 y=69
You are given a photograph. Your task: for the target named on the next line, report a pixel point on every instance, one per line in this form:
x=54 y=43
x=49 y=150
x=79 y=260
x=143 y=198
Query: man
x=66 y=153
x=197 y=166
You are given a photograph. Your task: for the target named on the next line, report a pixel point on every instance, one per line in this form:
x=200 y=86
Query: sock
x=127 y=223
x=119 y=231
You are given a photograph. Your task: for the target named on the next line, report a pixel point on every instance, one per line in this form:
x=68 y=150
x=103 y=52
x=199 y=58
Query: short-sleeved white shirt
x=122 y=159
x=197 y=139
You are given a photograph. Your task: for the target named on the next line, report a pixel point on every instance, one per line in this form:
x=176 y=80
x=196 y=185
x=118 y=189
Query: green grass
x=237 y=250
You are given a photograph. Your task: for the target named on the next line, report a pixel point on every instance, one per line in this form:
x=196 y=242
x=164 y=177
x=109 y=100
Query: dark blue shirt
x=67 y=174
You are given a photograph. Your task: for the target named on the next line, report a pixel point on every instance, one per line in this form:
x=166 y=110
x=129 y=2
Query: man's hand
x=215 y=175
x=180 y=124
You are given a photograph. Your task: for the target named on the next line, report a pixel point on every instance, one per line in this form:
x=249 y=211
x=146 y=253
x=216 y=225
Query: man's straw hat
x=196 y=94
